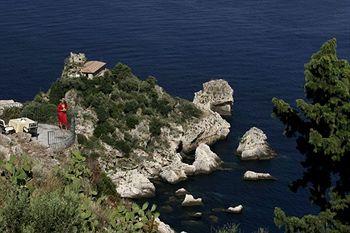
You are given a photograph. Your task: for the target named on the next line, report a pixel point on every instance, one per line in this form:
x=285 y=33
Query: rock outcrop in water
x=235 y=210
x=250 y=175
x=254 y=146
x=191 y=201
x=163 y=228
x=217 y=95
x=177 y=171
x=206 y=161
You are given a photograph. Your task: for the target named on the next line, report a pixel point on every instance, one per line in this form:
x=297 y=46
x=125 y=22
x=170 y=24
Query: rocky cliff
x=217 y=95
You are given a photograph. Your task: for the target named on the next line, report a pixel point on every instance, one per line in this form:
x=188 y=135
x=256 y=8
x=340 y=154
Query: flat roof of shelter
x=91 y=67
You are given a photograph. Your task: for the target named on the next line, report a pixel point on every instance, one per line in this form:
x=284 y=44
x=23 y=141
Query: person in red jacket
x=62 y=114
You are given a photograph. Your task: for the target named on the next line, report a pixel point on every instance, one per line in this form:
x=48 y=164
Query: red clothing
x=62 y=114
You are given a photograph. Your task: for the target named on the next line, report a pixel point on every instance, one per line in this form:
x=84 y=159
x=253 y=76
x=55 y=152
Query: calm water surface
x=259 y=46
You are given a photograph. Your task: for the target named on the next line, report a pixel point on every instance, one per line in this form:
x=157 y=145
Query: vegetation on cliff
x=74 y=197
x=122 y=101
x=322 y=126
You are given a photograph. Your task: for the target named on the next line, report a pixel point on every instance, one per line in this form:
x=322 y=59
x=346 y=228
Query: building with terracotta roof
x=93 y=68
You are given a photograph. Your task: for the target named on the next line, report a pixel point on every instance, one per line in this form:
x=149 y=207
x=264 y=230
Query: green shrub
x=88 y=144
x=40 y=98
x=132 y=121
x=189 y=110
x=14 y=206
x=17 y=170
x=11 y=113
x=142 y=99
x=54 y=212
x=130 y=84
x=105 y=186
x=48 y=212
x=82 y=139
x=116 y=110
x=103 y=128
x=152 y=81
x=102 y=112
x=121 y=71
x=41 y=112
x=105 y=84
x=70 y=206
x=75 y=170
x=155 y=126
x=135 y=219
x=123 y=146
x=149 y=111
x=57 y=92
x=162 y=106
x=131 y=106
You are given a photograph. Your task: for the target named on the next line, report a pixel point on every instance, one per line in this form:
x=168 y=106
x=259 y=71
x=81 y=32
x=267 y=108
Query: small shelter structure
x=93 y=68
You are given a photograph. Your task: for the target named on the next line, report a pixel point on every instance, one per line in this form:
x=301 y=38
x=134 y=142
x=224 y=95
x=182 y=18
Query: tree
x=321 y=124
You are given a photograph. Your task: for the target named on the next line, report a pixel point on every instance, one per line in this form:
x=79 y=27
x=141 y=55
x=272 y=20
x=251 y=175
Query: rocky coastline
x=166 y=163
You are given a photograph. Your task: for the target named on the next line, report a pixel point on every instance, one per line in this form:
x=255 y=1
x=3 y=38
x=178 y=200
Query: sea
x=258 y=46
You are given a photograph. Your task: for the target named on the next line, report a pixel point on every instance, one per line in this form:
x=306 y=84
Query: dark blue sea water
x=259 y=46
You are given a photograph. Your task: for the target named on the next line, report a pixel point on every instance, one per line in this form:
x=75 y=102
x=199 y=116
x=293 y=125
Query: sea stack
x=254 y=146
x=217 y=95
x=206 y=161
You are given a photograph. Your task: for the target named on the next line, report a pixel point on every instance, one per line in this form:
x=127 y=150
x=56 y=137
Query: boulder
x=210 y=128
x=141 y=133
x=177 y=170
x=85 y=121
x=235 y=210
x=132 y=184
x=206 y=161
x=191 y=201
x=250 y=175
x=254 y=146
x=217 y=95
x=163 y=228
x=181 y=192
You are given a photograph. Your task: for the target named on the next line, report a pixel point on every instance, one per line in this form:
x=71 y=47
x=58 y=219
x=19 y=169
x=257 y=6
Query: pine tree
x=321 y=124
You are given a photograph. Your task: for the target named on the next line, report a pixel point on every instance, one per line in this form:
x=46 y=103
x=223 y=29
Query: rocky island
x=143 y=131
